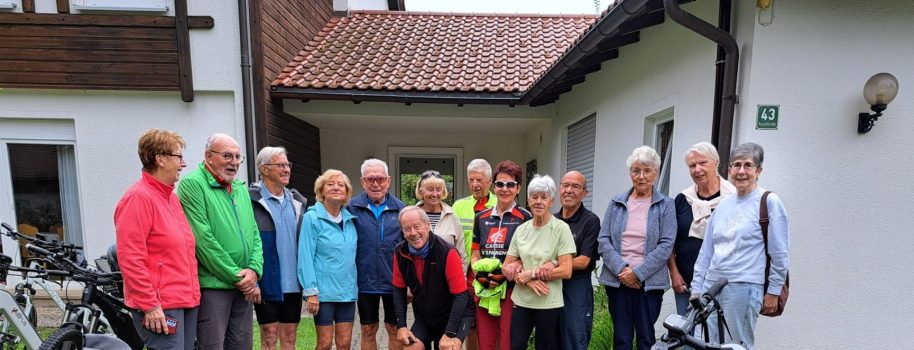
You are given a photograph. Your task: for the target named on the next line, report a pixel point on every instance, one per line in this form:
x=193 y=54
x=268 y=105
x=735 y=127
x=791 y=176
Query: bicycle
x=680 y=328
x=14 y=317
x=83 y=318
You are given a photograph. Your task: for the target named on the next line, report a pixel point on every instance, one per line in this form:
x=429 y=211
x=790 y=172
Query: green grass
x=307 y=338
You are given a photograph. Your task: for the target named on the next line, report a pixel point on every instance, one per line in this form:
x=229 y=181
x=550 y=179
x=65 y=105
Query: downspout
x=725 y=90
x=244 y=17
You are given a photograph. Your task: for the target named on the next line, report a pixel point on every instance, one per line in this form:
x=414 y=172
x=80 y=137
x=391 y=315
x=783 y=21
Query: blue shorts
x=330 y=313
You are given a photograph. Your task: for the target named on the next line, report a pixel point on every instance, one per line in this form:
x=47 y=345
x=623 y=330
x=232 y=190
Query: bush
x=602 y=337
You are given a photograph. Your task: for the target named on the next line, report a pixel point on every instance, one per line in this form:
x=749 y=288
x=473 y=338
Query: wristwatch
x=555 y=263
x=450 y=334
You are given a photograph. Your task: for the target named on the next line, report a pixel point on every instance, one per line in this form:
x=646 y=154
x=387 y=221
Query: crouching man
x=432 y=269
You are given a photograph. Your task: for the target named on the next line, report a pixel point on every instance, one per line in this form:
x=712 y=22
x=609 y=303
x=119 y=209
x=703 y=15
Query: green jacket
x=224 y=227
x=463 y=208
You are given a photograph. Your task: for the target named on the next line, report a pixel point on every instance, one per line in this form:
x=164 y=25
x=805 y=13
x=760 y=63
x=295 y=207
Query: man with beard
x=229 y=252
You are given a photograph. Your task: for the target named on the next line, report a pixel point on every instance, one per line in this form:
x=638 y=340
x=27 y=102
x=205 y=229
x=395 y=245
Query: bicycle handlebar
x=55 y=246
x=73 y=269
x=715 y=289
x=7 y=227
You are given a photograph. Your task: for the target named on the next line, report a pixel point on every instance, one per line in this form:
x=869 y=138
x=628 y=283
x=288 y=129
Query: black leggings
x=546 y=322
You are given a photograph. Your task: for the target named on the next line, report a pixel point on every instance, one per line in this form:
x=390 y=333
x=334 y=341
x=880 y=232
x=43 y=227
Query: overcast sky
x=509 y=6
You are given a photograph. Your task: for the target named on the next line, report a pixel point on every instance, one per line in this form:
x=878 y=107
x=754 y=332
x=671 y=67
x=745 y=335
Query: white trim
x=393 y=164
x=121 y=5
x=7 y=4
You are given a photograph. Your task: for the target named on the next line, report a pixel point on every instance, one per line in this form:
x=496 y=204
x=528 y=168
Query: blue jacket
x=270 y=282
x=326 y=256
x=658 y=245
x=377 y=240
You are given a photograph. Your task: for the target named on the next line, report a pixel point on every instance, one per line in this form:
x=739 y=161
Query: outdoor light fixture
x=878 y=91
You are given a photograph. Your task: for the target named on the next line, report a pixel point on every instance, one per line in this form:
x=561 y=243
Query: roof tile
x=394 y=51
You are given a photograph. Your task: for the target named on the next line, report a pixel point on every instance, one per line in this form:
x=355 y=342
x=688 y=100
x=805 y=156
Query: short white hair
x=267 y=153
x=644 y=155
x=370 y=162
x=480 y=164
x=541 y=184
x=704 y=149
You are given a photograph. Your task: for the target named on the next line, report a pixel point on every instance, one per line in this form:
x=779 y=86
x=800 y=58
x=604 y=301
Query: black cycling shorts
x=286 y=311
x=368 y=308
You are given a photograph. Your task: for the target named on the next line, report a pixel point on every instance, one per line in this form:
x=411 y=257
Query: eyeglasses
x=508 y=184
x=179 y=156
x=281 y=165
x=376 y=179
x=748 y=166
x=228 y=156
x=645 y=171
x=575 y=187
x=429 y=173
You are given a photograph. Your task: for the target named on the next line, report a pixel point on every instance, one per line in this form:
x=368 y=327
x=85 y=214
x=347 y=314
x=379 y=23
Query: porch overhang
x=407 y=97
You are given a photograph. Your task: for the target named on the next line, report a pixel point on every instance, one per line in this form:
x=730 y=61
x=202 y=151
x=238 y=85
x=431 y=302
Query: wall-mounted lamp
x=878 y=91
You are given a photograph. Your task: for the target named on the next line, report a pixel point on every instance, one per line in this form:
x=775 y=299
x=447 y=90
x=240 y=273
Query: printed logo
x=497 y=235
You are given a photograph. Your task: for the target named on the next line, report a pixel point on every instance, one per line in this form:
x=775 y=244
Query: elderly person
x=636 y=240
x=377 y=213
x=694 y=206
x=538 y=300
x=431 y=192
x=326 y=260
x=229 y=251
x=479 y=180
x=156 y=247
x=577 y=315
x=430 y=267
x=492 y=232
x=735 y=249
x=278 y=211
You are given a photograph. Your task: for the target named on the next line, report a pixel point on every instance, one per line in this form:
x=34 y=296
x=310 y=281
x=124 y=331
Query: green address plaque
x=767 y=117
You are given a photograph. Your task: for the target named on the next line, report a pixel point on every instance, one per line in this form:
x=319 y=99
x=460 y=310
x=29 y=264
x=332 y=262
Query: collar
x=158 y=186
x=265 y=192
x=574 y=216
x=221 y=181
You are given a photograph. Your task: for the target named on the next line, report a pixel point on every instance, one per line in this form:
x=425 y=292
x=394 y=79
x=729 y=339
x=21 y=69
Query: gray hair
x=748 y=150
x=267 y=153
x=480 y=164
x=370 y=162
x=541 y=184
x=214 y=138
x=644 y=155
x=412 y=208
x=704 y=149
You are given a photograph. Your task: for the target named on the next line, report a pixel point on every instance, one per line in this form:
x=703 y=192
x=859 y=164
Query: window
x=659 y=135
x=579 y=151
x=407 y=163
x=39 y=175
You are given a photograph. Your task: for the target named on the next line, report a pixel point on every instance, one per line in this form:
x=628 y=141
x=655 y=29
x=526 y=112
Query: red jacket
x=155 y=248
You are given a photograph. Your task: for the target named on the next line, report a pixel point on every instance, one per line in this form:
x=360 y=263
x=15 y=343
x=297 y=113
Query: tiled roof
x=403 y=51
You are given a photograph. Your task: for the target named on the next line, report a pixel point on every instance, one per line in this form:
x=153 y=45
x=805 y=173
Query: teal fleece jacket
x=224 y=228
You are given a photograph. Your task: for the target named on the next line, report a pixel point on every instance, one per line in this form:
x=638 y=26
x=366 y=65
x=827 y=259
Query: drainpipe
x=244 y=17
x=722 y=133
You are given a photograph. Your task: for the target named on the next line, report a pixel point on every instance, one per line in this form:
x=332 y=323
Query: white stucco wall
x=845 y=193
x=848 y=195
x=669 y=67
x=108 y=123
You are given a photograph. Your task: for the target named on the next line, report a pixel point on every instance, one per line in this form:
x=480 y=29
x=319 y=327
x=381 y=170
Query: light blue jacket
x=326 y=256
x=658 y=245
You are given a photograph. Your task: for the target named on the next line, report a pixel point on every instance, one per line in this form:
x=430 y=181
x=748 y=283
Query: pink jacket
x=155 y=248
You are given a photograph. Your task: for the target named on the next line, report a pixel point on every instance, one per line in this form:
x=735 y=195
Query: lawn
x=307 y=339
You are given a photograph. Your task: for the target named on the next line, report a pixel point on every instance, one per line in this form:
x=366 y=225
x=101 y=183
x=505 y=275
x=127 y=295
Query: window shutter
x=579 y=151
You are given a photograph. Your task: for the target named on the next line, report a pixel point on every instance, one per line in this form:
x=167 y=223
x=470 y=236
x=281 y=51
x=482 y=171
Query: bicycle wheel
x=64 y=338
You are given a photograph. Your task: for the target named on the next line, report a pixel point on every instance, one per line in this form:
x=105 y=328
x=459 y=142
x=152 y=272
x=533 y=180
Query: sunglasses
x=508 y=184
x=429 y=173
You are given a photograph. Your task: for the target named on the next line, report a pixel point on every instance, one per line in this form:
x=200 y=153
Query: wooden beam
x=599 y=57
x=203 y=22
x=619 y=41
x=185 y=76
x=63 y=6
x=28 y=6
x=642 y=21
